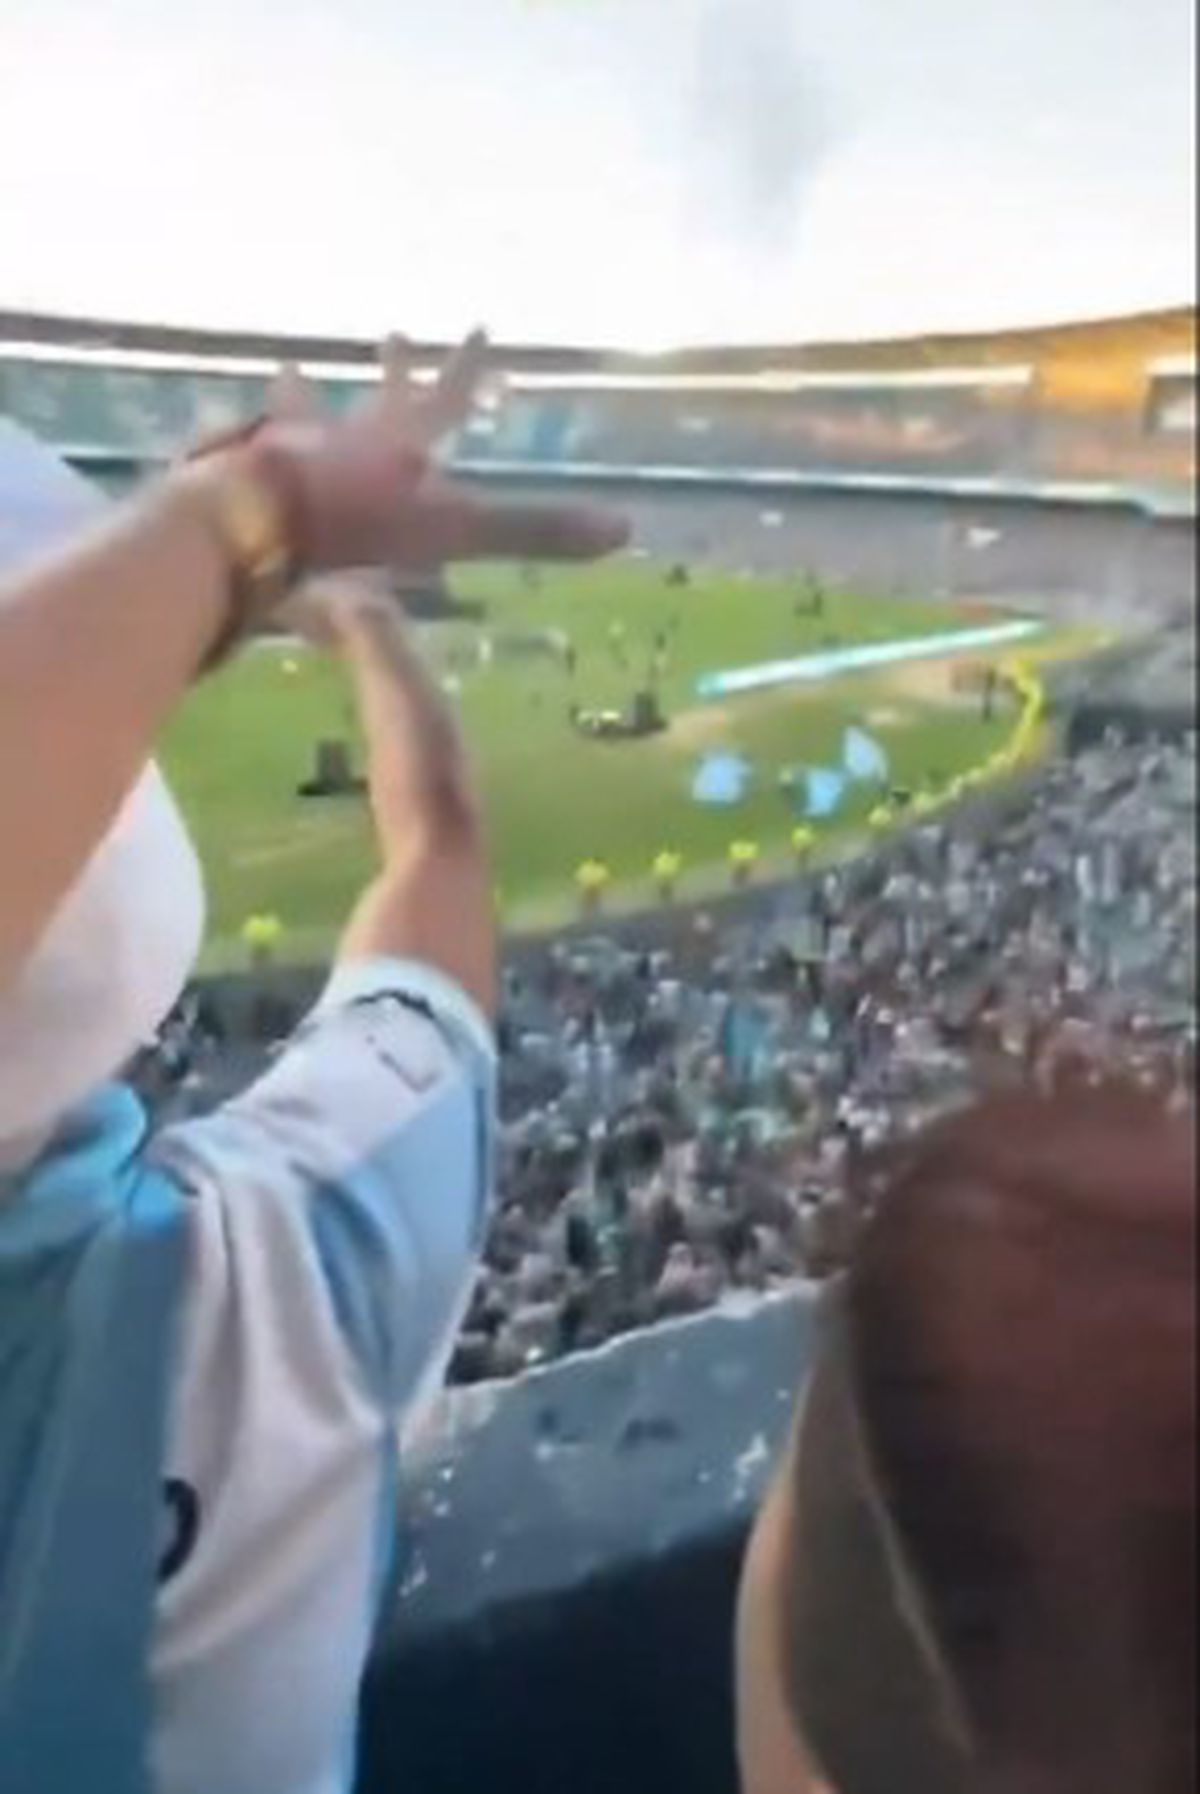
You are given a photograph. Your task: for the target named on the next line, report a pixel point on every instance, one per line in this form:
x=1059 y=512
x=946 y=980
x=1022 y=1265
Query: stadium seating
x=930 y=429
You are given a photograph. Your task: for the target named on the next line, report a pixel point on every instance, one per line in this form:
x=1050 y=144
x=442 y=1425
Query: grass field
x=246 y=740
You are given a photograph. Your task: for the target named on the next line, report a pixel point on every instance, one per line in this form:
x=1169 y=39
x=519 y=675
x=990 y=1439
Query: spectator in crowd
x=208 y=1337
x=976 y=1570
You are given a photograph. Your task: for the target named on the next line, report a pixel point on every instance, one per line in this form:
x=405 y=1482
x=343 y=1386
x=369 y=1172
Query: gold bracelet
x=249 y=518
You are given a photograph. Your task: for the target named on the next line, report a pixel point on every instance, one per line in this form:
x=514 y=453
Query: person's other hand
x=366 y=491
x=323 y=611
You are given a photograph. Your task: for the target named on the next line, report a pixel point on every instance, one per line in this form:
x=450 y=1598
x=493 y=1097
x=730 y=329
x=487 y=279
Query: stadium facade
x=1094 y=415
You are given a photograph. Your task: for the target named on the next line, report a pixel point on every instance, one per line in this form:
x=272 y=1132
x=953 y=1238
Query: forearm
x=419 y=776
x=432 y=899
x=96 y=647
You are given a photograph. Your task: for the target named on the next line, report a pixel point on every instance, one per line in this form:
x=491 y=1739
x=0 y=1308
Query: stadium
x=891 y=696
x=936 y=505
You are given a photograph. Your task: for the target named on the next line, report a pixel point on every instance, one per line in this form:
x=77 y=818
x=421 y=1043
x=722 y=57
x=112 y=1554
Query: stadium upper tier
x=988 y=425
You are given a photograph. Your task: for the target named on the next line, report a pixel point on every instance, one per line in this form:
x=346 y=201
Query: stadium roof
x=521 y=377
x=1151 y=335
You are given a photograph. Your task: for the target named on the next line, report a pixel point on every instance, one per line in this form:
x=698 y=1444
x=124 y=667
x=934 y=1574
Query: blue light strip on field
x=813 y=667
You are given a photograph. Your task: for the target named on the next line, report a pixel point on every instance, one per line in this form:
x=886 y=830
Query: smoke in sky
x=634 y=171
x=758 y=118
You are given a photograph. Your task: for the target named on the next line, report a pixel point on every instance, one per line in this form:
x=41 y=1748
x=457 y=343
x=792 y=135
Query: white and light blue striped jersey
x=331 y=1218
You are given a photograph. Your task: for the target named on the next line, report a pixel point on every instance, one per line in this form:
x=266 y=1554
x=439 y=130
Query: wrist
x=363 y=620
x=244 y=512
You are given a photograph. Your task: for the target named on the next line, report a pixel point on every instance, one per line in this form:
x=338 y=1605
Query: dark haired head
x=1020 y=1340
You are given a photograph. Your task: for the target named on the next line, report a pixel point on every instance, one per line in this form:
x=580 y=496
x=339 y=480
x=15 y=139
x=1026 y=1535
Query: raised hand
x=366 y=492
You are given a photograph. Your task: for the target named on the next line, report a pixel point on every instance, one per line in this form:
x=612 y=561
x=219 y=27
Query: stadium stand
x=1091 y=560
x=1015 y=428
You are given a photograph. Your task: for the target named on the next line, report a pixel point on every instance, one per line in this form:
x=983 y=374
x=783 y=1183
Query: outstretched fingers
x=456 y=525
x=450 y=403
x=291 y=397
x=423 y=413
x=397 y=400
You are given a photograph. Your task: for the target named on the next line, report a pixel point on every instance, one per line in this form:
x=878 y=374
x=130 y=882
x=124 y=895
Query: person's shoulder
x=399 y=988
x=388 y=1044
x=349 y=1186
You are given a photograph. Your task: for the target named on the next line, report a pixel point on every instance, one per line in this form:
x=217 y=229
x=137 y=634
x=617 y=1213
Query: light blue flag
x=826 y=789
x=863 y=757
x=721 y=779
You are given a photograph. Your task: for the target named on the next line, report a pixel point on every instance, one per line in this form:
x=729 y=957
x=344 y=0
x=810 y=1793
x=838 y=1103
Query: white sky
x=633 y=172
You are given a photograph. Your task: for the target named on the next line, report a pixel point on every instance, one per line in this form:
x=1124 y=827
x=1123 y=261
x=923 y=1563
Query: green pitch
x=246 y=741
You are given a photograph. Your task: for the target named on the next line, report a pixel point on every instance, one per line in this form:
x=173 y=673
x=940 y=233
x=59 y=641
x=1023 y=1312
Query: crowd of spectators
x=682 y=1119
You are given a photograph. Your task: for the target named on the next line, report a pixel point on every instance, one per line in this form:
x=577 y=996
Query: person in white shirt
x=213 y=1337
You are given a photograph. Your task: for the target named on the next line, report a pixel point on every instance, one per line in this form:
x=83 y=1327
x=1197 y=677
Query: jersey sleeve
x=348 y=1188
